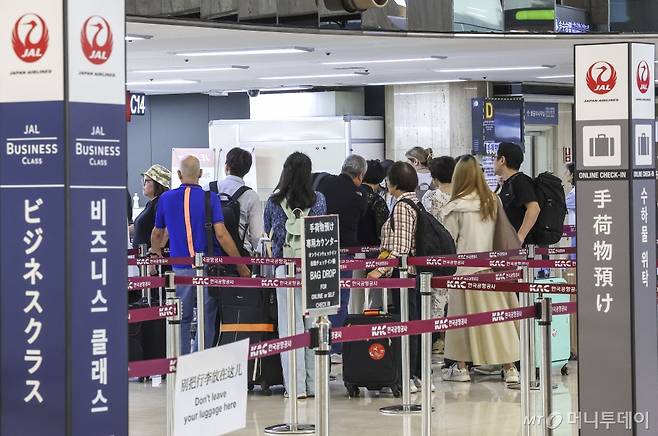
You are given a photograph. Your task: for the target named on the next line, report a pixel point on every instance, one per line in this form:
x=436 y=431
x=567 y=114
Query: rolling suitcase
x=375 y=363
x=560 y=331
x=246 y=313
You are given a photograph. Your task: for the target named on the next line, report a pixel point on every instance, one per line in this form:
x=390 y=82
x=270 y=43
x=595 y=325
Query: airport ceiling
x=181 y=58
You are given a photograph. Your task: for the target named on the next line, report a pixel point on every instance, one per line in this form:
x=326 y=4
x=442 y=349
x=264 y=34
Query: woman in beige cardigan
x=470 y=217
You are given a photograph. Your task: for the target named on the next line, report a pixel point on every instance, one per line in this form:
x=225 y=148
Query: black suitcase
x=248 y=313
x=373 y=364
x=147 y=339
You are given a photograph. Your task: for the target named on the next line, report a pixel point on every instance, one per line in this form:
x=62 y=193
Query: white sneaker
x=511 y=375
x=455 y=374
x=412 y=387
x=419 y=384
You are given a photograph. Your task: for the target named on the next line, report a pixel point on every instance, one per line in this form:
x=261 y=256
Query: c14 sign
x=137 y=104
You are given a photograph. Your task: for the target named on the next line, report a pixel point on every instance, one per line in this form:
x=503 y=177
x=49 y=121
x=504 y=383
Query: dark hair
x=403 y=176
x=238 y=161
x=570 y=166
x=375 y=174
x=158 y=189
x=442 y=168
x=512 y=153
x=295 y=182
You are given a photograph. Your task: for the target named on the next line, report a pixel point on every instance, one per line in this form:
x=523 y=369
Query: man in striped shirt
x=181 y=214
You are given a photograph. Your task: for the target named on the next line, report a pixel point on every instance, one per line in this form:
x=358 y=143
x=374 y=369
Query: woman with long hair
x=470 y=217
x=293 y=199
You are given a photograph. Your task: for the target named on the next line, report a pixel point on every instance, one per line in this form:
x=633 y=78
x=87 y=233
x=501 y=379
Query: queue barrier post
x=545 y=317
x=534 y=383
x=426 y=354
x=527 y=359
x=322 y=327
x=173 y=346
x=143 y=252
x=406 y=407
x=200 y=305
x=293 y=426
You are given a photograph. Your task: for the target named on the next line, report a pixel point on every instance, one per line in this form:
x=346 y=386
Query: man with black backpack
x=518 y=191
x=243 y=212
x=536 y=208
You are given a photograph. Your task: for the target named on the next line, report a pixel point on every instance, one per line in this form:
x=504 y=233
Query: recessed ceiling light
x=478 y=69
x=386 y=61
x=192 y=70
x=133 y=37
x=162 y=82
x=562 y=76
x=420 y=82
x=245 y=52
x=314 y=76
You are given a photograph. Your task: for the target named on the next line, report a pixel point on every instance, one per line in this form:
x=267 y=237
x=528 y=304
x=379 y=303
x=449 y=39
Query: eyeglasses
x=145 y=181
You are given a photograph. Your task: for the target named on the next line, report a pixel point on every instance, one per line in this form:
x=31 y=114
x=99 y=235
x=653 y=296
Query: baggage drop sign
x=321 y=265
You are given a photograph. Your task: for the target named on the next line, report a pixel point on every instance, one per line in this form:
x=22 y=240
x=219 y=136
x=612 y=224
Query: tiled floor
x=484 y=407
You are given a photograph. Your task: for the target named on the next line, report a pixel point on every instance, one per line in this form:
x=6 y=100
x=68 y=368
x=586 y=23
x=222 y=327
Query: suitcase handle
x=601 y=135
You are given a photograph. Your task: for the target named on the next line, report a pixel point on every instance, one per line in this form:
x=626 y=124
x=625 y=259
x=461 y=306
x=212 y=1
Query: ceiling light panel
x=315 y=76
x=488 y=69
x=192 y=70
x=386 y=61
x=246 y=52
x=419 y=82
x=162 y=82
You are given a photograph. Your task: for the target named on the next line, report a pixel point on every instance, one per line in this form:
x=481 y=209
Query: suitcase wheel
x=353 y=391
x=397 y=391
x=564 y=370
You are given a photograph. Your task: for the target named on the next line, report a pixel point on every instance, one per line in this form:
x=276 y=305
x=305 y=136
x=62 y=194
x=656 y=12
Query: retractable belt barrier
x=365 y=332
x=151 y=313
x=139 y=283
x=487 y=260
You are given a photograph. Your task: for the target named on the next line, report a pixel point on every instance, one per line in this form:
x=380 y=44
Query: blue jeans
x=187 y=295
x=305 y=357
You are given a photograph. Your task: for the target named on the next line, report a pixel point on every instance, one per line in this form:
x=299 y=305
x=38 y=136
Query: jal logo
x=642 y=77
x=30 y=38
x=601 y=77
x=377 y=351
x=96 y=40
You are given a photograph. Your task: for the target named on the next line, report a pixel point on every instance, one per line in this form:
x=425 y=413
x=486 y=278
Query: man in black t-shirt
x=518 y=191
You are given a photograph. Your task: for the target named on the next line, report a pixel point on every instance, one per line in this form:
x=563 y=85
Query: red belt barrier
x=151 y=313
x=132 y=252
x=359 y=250
x=368 y=264
x=138 y=283
x=141 y=261
x=147 y=368
x=569 y=231
x=501 y=276
x=239 y=282
x=364 y=332
x=546 y=288
x=490 y=263
x=277 y=346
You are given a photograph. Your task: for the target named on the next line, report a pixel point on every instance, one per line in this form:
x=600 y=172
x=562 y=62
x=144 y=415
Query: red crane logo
x=26 y=48
x=99 y=29
x=605 y=80
x=642 y=77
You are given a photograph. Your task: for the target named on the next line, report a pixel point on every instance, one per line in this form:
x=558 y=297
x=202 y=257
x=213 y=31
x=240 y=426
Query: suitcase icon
x=643 y=145
x=602 y=146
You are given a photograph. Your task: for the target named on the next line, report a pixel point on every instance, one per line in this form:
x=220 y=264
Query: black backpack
x=231 y=212
x=317 y=179
x=550 y=222
x=432 y=239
